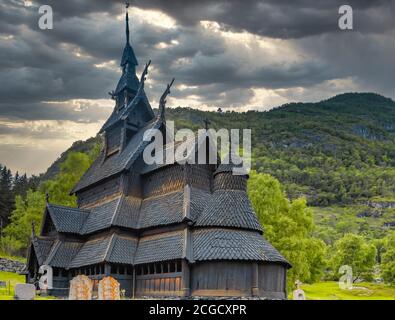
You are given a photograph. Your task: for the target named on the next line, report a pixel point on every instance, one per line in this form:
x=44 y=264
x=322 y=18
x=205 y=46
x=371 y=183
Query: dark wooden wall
x=99 y=193
x=272 y=281
x=231 y=278
x=167 y=284
x=221 y=278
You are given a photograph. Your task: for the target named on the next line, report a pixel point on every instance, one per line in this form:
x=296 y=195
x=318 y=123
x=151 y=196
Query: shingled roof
x=112 y=248
x=62 y=253
x=162 y=210
x=104 y=167
x=67 y=219
x=42 y=247
x=160 y=248
x=227 y=244
x=229 y=208
x=117 y=114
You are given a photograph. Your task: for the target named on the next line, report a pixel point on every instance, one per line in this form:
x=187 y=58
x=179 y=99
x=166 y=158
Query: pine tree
x=6 y=195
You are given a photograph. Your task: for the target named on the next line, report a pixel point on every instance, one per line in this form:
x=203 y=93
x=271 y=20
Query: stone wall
x=11 y=265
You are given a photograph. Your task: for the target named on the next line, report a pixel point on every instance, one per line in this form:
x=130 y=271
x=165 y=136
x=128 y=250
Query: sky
x=237 y=55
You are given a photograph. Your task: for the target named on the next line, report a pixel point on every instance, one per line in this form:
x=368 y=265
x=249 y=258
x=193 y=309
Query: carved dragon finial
x=144 y=74
x=162 y=101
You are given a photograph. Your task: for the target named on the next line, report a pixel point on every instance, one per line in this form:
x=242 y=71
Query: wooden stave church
x=170 y=230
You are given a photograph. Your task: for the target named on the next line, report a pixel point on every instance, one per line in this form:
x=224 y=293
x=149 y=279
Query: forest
x=322 y=185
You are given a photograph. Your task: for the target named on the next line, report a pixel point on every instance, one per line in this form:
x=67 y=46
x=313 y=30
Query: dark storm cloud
x=43 y=65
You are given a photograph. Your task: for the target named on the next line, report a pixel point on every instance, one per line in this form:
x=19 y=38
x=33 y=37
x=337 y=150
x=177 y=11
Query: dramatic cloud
x=229 y=54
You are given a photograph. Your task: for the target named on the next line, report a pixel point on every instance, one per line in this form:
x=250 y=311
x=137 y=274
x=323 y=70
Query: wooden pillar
x=185 y=279
x=134 y=283
x=107 y=270
x=285 y=283
x=255 y=279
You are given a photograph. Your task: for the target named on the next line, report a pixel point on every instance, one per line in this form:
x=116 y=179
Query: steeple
x=128 y=83
x=128 y=55
x=127 y=23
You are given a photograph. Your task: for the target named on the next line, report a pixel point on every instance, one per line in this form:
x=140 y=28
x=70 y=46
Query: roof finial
x=127 y=4
x=33 y=229
x=162 y=101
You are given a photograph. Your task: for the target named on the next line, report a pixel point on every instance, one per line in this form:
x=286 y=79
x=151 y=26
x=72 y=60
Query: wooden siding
x=101 y=193
x=272 y=281
x=219 y=278
x=166 y=284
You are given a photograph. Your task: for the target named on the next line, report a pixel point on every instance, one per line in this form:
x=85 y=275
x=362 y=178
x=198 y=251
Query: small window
x=121 y=270
x=102 y=269
x=55 y=272
x=172 y=267
x=151 y=269
x=179 y=268
x=165 y=268
x=158 y=268
x=129 y=270
x=114 y=269
x=139 y=271
x=145 y=269
x=97 y=269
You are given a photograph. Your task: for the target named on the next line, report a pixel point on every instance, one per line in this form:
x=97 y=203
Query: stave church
x=170 y=230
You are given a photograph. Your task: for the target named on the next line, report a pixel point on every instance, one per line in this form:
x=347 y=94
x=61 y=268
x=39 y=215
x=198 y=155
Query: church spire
x=128 y=56
x=127 y=22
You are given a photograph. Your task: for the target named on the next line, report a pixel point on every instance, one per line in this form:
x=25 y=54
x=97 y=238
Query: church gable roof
x=104 y=167
x=67 y=219
x=229 y=208
x=91 y=252
x=140 y=99
x=42 y=247
x=62 y=253
x=127 y=213
x=100 y=217
x=122 y=251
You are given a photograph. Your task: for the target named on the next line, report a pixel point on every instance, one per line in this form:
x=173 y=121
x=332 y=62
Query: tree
x=288 y=226
x=31 y=209
x=26 y=211
x=70 y=172
x=6 y=194
x=354 y=251
x=388 y=259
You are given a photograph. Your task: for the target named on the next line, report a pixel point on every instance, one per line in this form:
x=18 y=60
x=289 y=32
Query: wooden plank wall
x=221 y=279
x=168 y=284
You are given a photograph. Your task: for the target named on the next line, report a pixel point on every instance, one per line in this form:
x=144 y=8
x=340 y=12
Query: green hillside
x=338 y=151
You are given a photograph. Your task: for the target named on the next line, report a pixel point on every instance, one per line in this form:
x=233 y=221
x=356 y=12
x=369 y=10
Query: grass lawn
x=14 y=278
x=362 y=291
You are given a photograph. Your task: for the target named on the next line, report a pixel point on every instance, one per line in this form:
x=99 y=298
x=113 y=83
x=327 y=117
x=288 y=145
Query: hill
x=337 y=151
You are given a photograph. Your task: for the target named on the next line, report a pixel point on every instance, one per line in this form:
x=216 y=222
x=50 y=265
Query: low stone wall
x=11 y=265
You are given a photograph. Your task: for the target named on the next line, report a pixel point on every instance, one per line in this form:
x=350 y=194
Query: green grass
x=14 y=279
x=330 y=290
x=15 y=258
